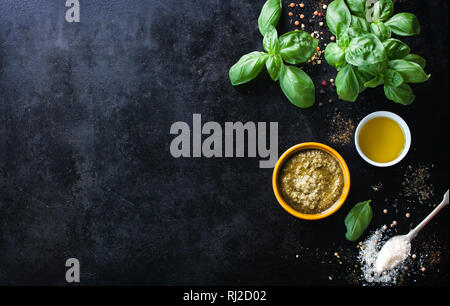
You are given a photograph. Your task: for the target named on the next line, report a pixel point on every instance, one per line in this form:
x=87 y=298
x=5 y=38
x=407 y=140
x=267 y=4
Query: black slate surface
x=85 y=168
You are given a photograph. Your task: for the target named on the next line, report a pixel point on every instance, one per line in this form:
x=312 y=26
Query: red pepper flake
x=324 y=83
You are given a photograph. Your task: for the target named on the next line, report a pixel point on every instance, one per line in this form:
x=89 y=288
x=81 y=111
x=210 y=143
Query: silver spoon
x=403 y=242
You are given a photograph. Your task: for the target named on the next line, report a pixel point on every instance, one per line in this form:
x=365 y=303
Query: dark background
x=85 y=167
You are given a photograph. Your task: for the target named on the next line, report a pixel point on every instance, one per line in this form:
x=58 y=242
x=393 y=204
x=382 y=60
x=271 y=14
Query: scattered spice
x=416 y=183
x=292 y=4
x=341 y=130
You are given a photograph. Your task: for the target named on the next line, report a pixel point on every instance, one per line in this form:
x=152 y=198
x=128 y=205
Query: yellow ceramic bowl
x=304 y=146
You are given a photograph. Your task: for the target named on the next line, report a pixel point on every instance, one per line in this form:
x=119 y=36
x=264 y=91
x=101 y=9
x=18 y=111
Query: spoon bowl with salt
x=398 y=248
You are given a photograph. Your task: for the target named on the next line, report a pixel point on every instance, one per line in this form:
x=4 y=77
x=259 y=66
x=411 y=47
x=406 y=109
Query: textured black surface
x=85 y=168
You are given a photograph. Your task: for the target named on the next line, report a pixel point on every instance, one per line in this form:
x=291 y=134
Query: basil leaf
x=269 y=16
x=270 y=41
x=382 y=31
x=392 y=78
x=396 y=49
x=274 y=65
x=382 y=10
x=363 y=78
x=344 y=40
x=416 y=59
x=364 y=50
x=338 y=12
x=402 y=94
x=358 y=7
x=297 y=86
x=297 y=47
x=374 y=69
x=404 y=24
x=376 y=81
x=247 y=68
x=358 y=220
x=358 y=22
x=411 y=72
x=334 y=55
x=347 y=84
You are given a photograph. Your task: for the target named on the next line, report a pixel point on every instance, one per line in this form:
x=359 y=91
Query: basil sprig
x=293 y=48
x=358 y=220
x=366 y=55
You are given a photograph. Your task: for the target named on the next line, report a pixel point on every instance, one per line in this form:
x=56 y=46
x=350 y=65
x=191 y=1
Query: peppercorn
x=292 y=4
x=302 y=5
x=322 y=92
x=311 y=21
x=332 y=38
x=291 y=14
x=316 y=13
x=320 y=14
x=318 y=48
x=302 y=16
x=297 y=22
x=324 y=83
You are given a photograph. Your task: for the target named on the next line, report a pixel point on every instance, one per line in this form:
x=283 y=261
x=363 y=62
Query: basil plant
x=291 y=48
x=365 y=53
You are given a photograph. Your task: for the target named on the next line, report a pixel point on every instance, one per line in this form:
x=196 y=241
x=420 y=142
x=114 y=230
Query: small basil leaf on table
x=270 y=41
x=334 y=55
x=297 y=47
x=361 y=23
x=382 y=31
x=376 y=81
x=269 y=16
x=402 y=94
x=382 y=10
x=404 y=24
x=358 y=7
x=411 y=72
x=297 y=86
x=338 y=12
x=416 y=59
x=248 y=67
x=392 y=78
x=358 y=220
x=364 y=50
x=274 y=65
x=396 y=49
x=347 y=84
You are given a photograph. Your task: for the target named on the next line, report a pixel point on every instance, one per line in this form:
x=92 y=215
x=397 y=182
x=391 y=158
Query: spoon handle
x=422 y=224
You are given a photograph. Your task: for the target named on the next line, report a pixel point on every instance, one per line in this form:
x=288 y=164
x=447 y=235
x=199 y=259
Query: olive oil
x=382 y=140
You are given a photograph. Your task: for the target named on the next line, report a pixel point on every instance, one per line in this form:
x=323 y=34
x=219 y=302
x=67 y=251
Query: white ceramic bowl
x=404 y=127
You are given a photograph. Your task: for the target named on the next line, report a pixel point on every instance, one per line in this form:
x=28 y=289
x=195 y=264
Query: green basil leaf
x=376 y=81
x=269 y=16
x=334 y=55
x=364 y=50
x=297 y=47
x=358 y=22
x=338 y=12
x=416 y=59
x=358 y=220
x=382 y=31
x=347 y=84
x=374 y=69
x=392 y=78
x=247 y=68
x=297 y=86
x=274 y=65
x=363 y=78
x=382 y=10
x=396 y=49
x=404 y=24
x=270 y=41
x=344 y=40
x=411 y=72
x=402 y=94
x=358 y=7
